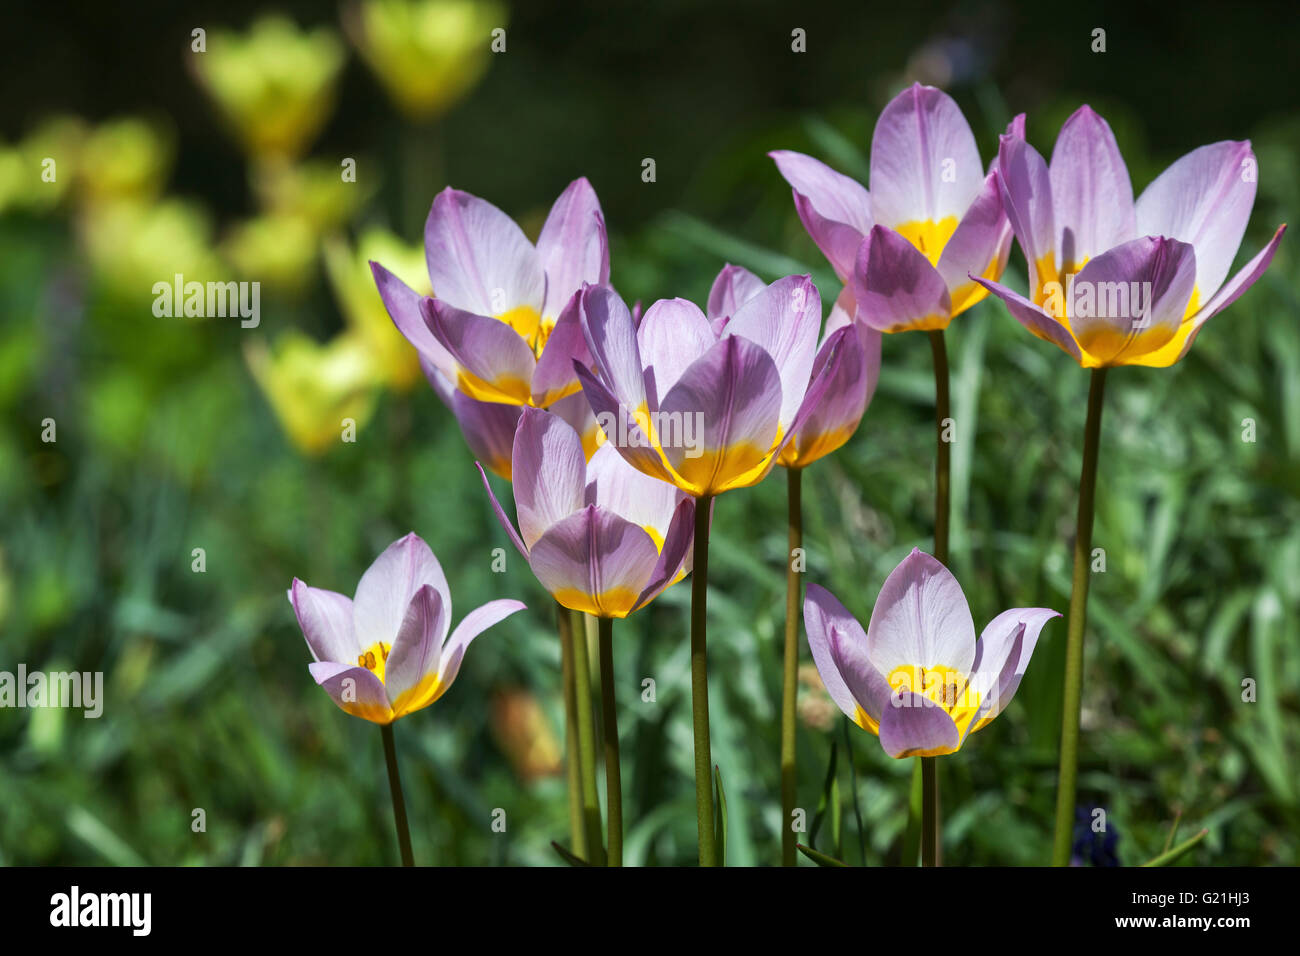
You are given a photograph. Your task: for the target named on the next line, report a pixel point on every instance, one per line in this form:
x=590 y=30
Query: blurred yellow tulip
x=354 y=288
x=132 y=245
x=38 y=172
x=277 y=250
x=426 y=53
x=127 y=158
x=313 y=190
x=274 y=84
x=322 y=394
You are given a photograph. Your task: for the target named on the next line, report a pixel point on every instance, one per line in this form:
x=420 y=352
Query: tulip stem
x=942 y=465
x=700 y=683
x=1073 y=696
x=930 y=853
x=577 y=836
x=399 y=803
x=609 y=719
x=587 y=747
x=790 y=668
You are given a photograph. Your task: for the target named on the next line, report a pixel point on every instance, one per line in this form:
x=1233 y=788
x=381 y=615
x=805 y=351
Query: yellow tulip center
x=929 y=237
x=374 y=658
x=943 y=686
x=529 y=325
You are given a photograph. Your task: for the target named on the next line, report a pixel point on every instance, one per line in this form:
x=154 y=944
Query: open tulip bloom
x=601 y=537
x=385 y=653
x=503 y=328
x=1118 y=282
x=916 y=677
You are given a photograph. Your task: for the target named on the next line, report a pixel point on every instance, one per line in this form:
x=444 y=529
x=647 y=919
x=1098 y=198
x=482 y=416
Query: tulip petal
x=475 y=623
x=1092 y=198
x=675 y=555
x=412 y=662
x=618 y=487
x=479 y=260
x=553 y=379
x=384 y=592
x=356 y=690
x=495 y=364
x=734 y=286
x=595 y=561
x=326 y=621
x=734 y=390
x=620 y=429
x=550 y=472
x=1026 y=187
x=925 y=166
x=1159 y=272
x=854 y=370
x=1203 y=198
x=488 y=427
x=501 y=514
x=1035 y=319
x=1002 y=656
x=784 y=319
x=912 y=725
x=895 y=286
x=838 y=646
x=673 y=334
x=612 y=338
x=979 y=246
x=835 y=209
x=572 y=246
x=921 y=619
x=403 y=305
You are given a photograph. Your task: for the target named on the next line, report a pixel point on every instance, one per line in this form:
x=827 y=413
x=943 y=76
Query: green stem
x=931 y=855
x=790 y=668
x=912 y=835
x=930 y=819
x=587 y=748
x=1073 y=697
x=577 y=836
x=942 y=467
x=700 y=683
x=609 y=718
x=399 y=804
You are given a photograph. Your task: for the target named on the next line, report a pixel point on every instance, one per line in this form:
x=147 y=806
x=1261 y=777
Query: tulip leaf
x=821 y=859
x=1171 y=856
x=720 y=816
x=570 y=858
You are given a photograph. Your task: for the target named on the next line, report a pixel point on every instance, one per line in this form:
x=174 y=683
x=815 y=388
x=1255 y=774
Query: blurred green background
x=176 y=434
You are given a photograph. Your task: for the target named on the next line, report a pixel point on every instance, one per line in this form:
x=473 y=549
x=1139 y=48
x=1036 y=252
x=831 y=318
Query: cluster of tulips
x=618 y=426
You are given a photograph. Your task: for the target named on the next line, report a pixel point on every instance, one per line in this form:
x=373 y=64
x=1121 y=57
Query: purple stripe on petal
x=403 y=305
x=1035 y=319
x=612 y=338
x=550 y=472
x=490 y=352
x=853 y=370
x=1002 y=656
x=1026 y=186
x=784 y=319
x=596 y=562
x=823 y=614
x=553 y=379
x=621 y=429
x=676 y=554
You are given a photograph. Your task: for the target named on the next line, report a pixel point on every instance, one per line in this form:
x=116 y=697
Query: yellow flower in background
x=315 y=389
x=274 y=84
x=38 y=172
x=353 y=283
x=276 y=250
x=313 y=190
x=427 y=53
x=127 y=158
x=132 y=245
x=524 y=734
